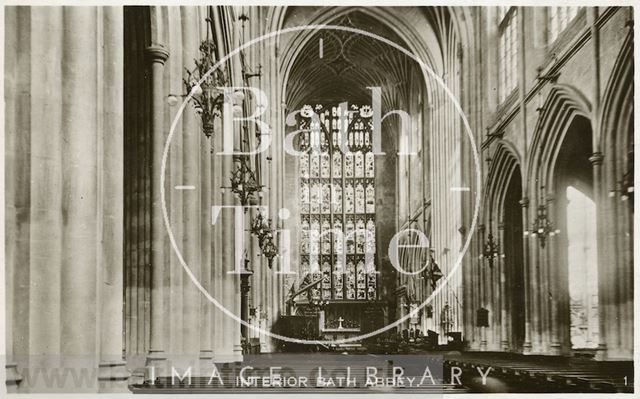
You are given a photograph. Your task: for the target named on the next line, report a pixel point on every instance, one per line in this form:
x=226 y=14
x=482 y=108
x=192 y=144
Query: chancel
x=230 y=198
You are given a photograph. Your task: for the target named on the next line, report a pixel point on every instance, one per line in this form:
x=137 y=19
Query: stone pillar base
x=227 y=358
x=156 y=365
x=138 y=376
x=237 y=352
x=206 y=366
x=601 y=352
x=555 y=349
x=113 y=377
x=613 y=354
x=13 y=378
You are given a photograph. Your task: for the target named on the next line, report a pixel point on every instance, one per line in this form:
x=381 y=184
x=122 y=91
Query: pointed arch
x=617 y=105
x=562 y=143
x=563 y=104
x=504 y=225
x=504 y=162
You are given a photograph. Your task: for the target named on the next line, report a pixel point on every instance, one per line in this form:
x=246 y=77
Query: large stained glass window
x=337 y=194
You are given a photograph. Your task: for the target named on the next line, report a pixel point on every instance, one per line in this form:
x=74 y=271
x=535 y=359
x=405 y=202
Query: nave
x=197 y=189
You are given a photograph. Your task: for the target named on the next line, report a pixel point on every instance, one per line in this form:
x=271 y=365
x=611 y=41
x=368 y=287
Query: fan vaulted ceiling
x=339 y=65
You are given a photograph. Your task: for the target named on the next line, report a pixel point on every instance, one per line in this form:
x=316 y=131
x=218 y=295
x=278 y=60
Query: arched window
x=583 y=269
x=337 y=194
x=559 y=18
x=507 y=51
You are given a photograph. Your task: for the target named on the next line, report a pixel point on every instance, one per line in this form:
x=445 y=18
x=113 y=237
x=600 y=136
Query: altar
x=339 y=333
x=340 y=320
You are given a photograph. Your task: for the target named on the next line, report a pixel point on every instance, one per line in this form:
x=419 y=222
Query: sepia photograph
x=323 y=198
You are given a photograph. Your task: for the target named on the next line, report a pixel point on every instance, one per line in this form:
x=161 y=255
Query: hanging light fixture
x=542 y=226
x=207 y=95
x=261 y=228
x=243 y=182
x=491 y=250
x=269 y=249
x=205 y=86
x=258 y=226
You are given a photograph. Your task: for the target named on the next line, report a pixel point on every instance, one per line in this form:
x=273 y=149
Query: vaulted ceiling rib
x=350 y=63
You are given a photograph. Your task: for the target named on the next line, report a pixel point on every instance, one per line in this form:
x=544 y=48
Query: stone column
x=475 y=289
x=79 y=178
x=16 y=195
x=275 y=109
x=45 y=187
x=496 y=303
x=544 y=284
x=245 y=287
x=157 y=54
x=524 y=202
x=64 y=242
x=604 y=267
x=554 y=276
x=206 y=200
x=483 y=287
x=230 y=328
x=112 y=371
x=534 y=285
x=191 y=173
x=217 y=273
x=176 y=276
x=228 y=286
x=618 y=285
x=504 y=299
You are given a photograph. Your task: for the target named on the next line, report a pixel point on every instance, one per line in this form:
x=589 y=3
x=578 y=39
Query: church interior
x=198 y=187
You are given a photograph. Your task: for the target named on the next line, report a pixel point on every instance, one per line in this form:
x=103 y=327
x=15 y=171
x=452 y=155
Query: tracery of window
x=559 y=18
x=507 y=51
x=337 y=194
